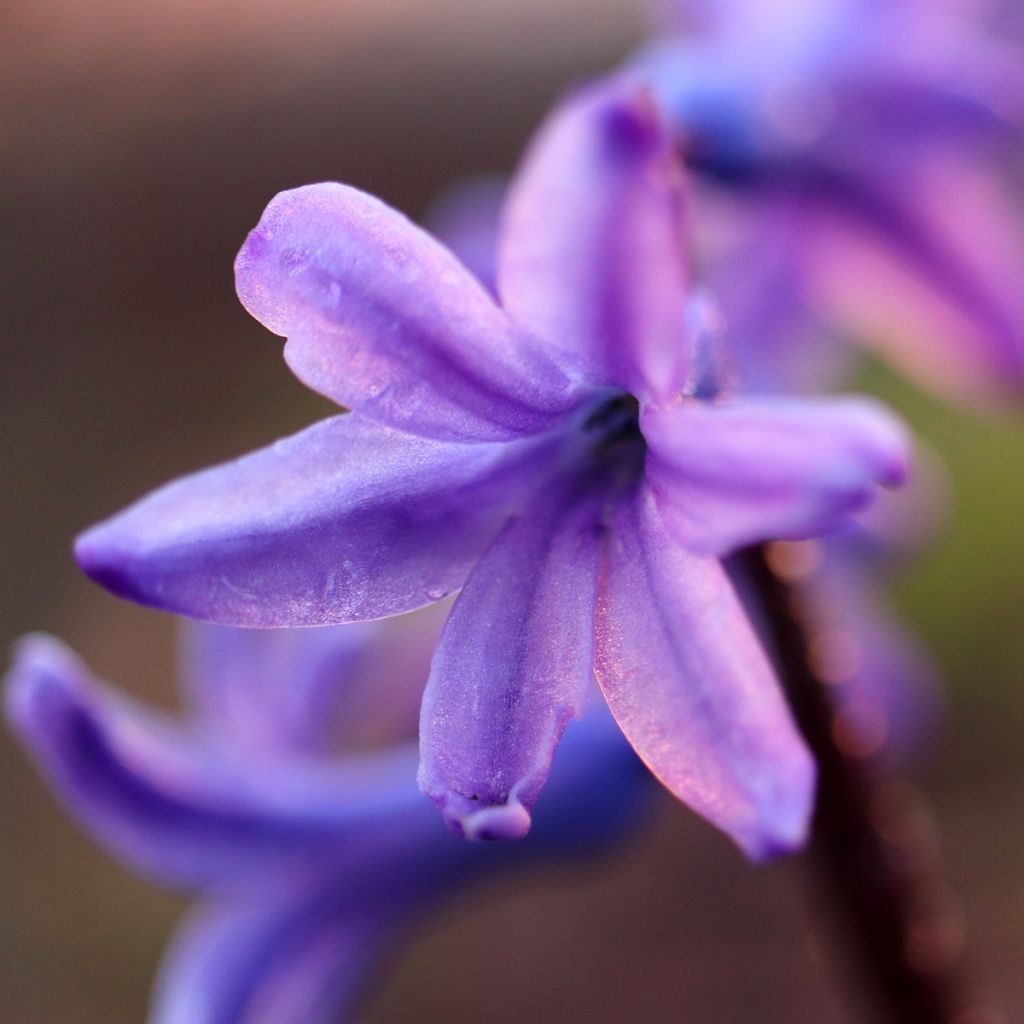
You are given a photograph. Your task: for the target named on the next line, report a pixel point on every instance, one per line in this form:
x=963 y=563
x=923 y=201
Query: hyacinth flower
x=851 y=159
x=287 y=802
x=539 y=453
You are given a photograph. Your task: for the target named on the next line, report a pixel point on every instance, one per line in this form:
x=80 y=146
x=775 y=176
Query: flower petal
x=727 y=475
x=927 y=275
x=513 y=666
x=382 y=318
x=692 y=689
x=775 y=342
x=299 y=692
x=591 y=252
x=266 y=692
x=293 y=954
x=345 y=520
x=173 y=807
x=465 y=218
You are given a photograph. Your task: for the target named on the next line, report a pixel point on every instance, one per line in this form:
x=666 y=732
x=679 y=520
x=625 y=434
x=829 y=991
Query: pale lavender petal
x=267 y=692
x=296 y=692
x=513 y=666
x=776 y=340
x=692 y=689
x=169 y=804
x=465 y=217
x=927 y=276
x=382 y=318
x=294 y=955
x=345 y=520
x=591 y=256
x=727 y=475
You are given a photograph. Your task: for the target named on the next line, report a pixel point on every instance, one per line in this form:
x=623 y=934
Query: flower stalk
x=873 y=844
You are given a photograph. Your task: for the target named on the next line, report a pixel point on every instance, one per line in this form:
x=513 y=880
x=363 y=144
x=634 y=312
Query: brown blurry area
x=141 y=141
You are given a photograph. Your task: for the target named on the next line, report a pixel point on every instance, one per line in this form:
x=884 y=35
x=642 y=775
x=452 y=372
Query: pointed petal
x=693 y=691
x=513 y=666
x=294 y=954
x=727 y=475
x=170 y=805
x=382 y=318
x=345 y=520
x=591 y=253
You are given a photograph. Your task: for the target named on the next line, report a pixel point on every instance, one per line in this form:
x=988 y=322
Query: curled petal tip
x=785 y=808
x=40 y=689
x=476 y=822
x=891 y=440
x=260 y=301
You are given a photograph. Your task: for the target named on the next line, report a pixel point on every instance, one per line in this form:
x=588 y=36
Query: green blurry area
x=965 y=591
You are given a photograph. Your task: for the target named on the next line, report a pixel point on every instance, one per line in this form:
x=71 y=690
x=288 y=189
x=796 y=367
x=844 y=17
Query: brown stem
x=871 y=839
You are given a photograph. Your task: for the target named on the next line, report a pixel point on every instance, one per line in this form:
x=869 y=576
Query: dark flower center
x=616 y=444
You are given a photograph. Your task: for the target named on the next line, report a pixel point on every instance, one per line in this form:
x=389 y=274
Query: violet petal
x=270 y=692
x=513 y=666
x=382 y=318
x=345 y=520
x=285 y=692
x=290 y=956
x=731 y=474
x=591 y=251
x=928 y=274
x=171 y=805
x=690 y=686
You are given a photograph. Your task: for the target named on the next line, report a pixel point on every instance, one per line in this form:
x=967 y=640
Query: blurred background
x=141 y=141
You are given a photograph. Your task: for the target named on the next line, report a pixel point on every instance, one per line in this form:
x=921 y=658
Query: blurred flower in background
x=851 y=165
x=288 y=801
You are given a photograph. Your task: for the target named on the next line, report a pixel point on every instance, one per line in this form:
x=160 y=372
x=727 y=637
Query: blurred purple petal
x=336 y=689
x=777 y=340
x=170 y=803
x=294 y=956
x=513 y=666
x=271 y=691
x=465 y=217
x=345 y=520
x=591 y=252
x=727 y=475
x=381 y=317
x=929 y=277
x=692 y=689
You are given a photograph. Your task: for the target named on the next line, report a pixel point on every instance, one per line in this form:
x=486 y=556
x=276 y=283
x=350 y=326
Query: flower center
x=615 y=443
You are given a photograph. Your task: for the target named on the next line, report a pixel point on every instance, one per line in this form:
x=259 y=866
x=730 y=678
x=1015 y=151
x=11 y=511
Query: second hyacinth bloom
x=543 y=453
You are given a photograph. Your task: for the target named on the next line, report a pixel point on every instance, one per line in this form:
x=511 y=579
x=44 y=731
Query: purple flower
x=308 y=863
x=544 y=456
x=851 y=159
